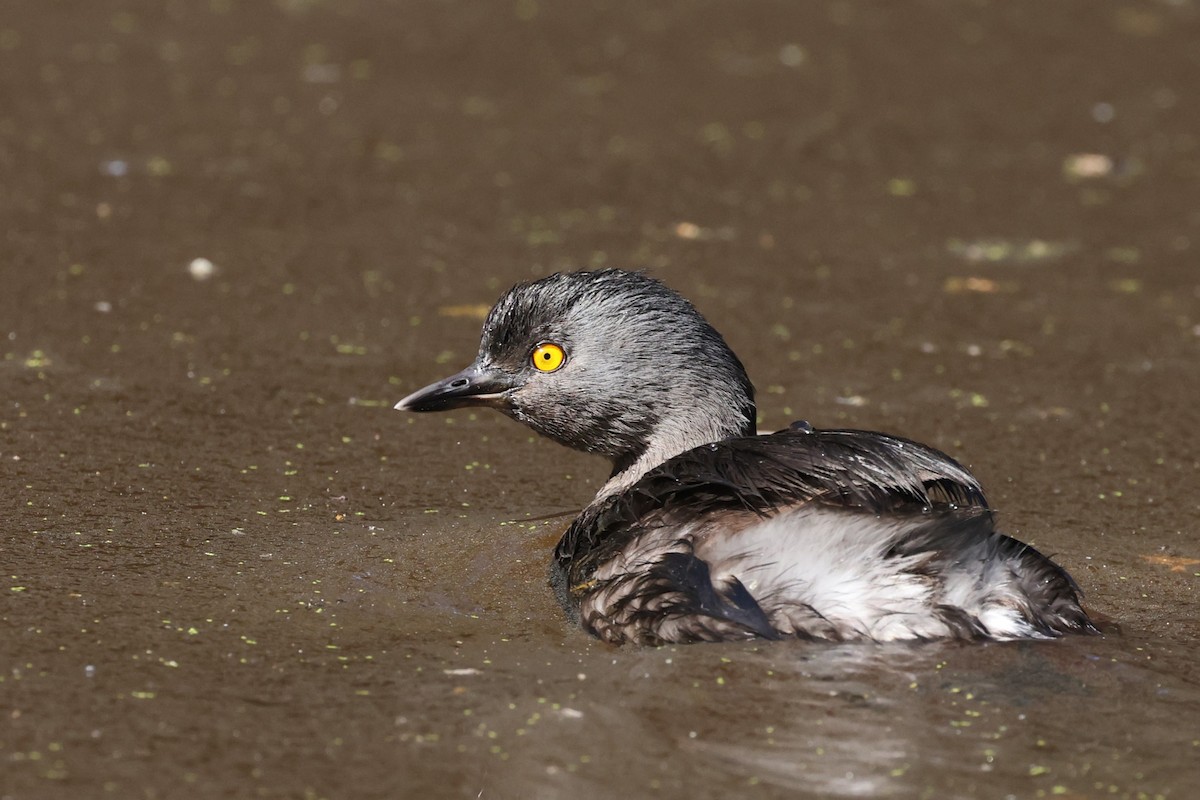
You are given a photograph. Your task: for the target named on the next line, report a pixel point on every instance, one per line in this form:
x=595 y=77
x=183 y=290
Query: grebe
x=706 y=531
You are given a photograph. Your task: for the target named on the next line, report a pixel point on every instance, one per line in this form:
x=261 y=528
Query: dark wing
x=854 y=469
x=863 y=470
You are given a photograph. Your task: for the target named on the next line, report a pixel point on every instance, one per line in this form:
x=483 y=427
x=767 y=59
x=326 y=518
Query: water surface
x=235 y=234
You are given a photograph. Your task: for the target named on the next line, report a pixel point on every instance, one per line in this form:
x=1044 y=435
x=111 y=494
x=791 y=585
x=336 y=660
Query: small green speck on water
x=1124 y=255
x=1037 y=769
x=1126 y=286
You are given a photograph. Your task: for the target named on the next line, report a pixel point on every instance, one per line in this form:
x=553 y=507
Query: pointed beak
x=474 y=386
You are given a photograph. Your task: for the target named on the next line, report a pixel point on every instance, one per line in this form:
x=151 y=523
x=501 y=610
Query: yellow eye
x=548 y=357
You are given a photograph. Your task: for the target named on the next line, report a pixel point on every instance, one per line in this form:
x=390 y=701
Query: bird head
x=610 y=362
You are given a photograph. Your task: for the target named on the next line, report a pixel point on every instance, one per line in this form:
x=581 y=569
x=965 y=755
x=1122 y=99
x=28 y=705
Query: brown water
x=229 y=569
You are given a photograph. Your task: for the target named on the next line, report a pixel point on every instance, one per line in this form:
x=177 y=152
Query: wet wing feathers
x=854 y=469
x=857 y=469
x=812 y=534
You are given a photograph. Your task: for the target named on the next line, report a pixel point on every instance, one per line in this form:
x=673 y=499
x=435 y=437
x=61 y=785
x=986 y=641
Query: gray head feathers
x=645 y=377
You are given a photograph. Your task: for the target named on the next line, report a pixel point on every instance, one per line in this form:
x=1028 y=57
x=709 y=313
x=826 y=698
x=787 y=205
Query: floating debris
x=467 y=310
x=1126 y=285
x=1125 y=255
x=1007 y=250
x=115 y=168
x=1088 y=165
x=37 y=360
x=973 y=283
x=158 y=166
x=1176 y=563
x=202 y=269
x=1104 y=112
x=322 y=73
x=792 y=55
x=694 y=232
x=717 y=136
x=967 y=398
x=368 y=403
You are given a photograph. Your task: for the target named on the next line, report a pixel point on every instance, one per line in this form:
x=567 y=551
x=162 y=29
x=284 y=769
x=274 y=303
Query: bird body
x=707 y=532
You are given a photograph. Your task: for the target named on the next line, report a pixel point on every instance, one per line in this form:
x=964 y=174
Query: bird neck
x=672 y=436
